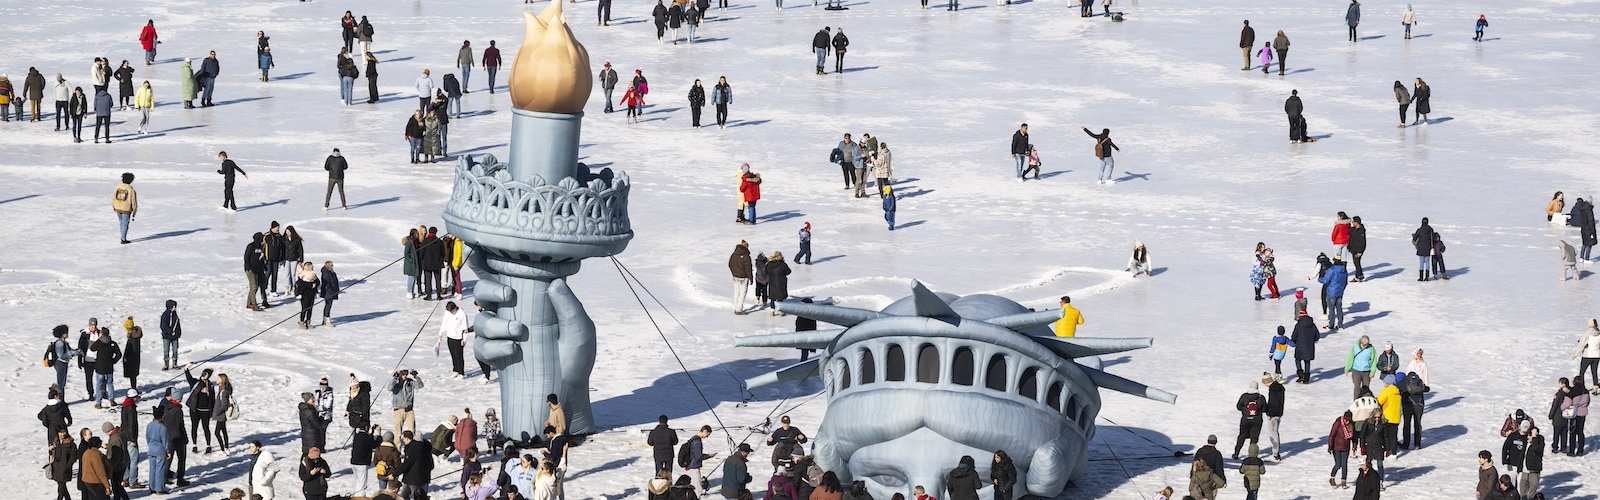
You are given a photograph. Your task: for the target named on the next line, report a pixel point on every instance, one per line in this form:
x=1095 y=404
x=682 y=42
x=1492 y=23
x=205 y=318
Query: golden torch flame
x=552 y=72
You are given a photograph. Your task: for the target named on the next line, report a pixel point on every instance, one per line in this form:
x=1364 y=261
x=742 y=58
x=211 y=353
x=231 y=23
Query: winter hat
x=1300 y=293
x=1265 y=378
x=1254 y=387
x=106 y=427
x=489 y=412
x=808 y=225
x=1526 y=424
x=275 y=224
x=1280 y=330
x=127 y=324
x=388 y=436
x=744 y=168
x=1388 y=346
x=1212 y=439
x=133 y=394
x=608 y=64
x=305 y=395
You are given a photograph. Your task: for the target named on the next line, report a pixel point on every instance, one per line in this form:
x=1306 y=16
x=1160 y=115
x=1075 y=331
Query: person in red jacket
x=750 y=187
x=1339 y=438
x=147 y=36
x=634 y=102
x=1341 y=235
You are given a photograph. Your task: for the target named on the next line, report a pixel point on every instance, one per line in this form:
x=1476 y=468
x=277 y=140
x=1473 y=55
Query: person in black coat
x=1003 y=475
x=1420 y=93
x=660 y=15
x=314 y=472
x=1275 y=395
x=335 y=165
x=1358 y=245
x=254 y=264
x=962 y=482
x=1019 y=149
x=819 y=44
x=416 y=467
x=1305 y=338
x=840 y=44
x=311 y=429
x=330 y=292
x=172 y=419
x=106 y=355
x=1368 y=483
x=1294 y=108
x=1532 y=464
x=1586 y=228
x=372 y=78
x=56 y=417
x=1212 y=457
x=697 y=100
x=227 y=170
x=1251 y=405
x=675 y=20
x=431 y=260
x=1422 y=239
x=662 y=441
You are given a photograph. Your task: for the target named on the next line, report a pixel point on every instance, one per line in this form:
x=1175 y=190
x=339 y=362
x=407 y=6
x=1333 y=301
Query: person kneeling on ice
x=889 y=203
x=1139 y=262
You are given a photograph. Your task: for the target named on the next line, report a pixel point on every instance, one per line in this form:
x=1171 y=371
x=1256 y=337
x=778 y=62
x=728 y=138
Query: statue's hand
x=496 y=342
x=575 y=326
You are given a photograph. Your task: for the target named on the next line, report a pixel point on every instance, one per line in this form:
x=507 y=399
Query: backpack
x=836 y=156
x=683 y=454
x=367 y=30
x=1414 y=384
x=383 y=468
x=1253 y=408
x=50 y=358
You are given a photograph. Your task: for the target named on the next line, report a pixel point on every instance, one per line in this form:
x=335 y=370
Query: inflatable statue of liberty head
x=935 y=376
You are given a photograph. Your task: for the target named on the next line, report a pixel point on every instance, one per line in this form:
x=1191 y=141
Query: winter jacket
x=1373 y=438
x=1361 y=359
x=1533 y=455
x=1422 y=239
x=62 y=455
x=433 y=251
x=852 y=151
x=675 y=16
x=1281 y=43
x=662 y=441
x=187 y=76
x=1337 y=278
x=739 y=262
x=102 y=104
x=125 y=200
x=735 y=475
x=33 y=85
x=890 y=203
x=466 y=436
x=1019 y=143
x=1102 y=144
x=1368 y=485
x=1203 y=484
x=963 y=482
x=1275 y=395
x=1003 y=475
x=1589 y=346
x=660 y=15
x=1421 y=95
x=328 y=286
x=491 y=57
x=697 y=96
x=840 y=42
x=417 y=466
x=1352 y=15
x=452 y=87
x=777 y=280
x=424 y=86
x=1067 y=326
x=1388 y=362
x=820 y=40
x=171 y=325
x=77 y=106
x=210 y=67
x=312 y=432
x=389 y=455
x=750 y=187
x=1341 y=232
x=1488 y=477
x=1280 y=345
x=1409 y=17
x=697 y=455
x=464 y=56
x=404 y=392
x=608 y=78
x=1511 y=451
x=781 y=484
x=1401 y=96
x=106 y=355
x=1389 y=399
x=1293 y=106
x=1247 y=37
x=883 y=168
x=129 y=414
x=56 y=416
x=1213 y=460
x=1578 y=400
x=1481 y=24
x=93 y=471
x=722 y=94
x=63 y=90
x=1358 y=239
x=1252 y=468
x=314 y=483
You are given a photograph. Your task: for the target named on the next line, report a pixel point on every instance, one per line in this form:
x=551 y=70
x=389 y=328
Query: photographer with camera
x=403 y=389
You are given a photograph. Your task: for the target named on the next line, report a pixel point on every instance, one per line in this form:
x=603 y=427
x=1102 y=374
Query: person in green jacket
x=736 y=472
x=1360 y=363
x=1252 y=468
x=189 y=90
x=411 y=269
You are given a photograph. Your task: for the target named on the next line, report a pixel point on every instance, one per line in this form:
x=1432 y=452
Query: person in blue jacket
x=156 y=446
x=1336 y=279
x=1279 y=350
x=1360 y=363
x=889 y=205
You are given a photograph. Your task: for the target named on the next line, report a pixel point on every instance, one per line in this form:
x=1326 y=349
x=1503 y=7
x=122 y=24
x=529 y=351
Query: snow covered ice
x=1204 y=173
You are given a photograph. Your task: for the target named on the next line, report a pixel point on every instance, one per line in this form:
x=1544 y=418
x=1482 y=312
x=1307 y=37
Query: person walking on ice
x=1102 y=150
x=227 y=171
x=1483 y=22
x=125 y=202
x=889 y=205
x=1019 y=150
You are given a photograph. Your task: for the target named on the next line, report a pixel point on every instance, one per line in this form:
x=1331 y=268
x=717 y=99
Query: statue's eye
x=889 y=480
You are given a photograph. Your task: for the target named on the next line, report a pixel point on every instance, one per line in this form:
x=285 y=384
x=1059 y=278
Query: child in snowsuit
x=889 y=203
x=1482 y=23
x=265 y=63
x=633 y=101
x=1033 y=163
x=1266 y=56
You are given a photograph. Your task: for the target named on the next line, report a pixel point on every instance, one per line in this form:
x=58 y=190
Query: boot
x=1422 y=276
x=1444 y=275
x=1343 y=485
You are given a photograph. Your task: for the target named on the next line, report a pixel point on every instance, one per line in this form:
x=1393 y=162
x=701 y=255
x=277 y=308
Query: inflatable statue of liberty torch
x=529 y=224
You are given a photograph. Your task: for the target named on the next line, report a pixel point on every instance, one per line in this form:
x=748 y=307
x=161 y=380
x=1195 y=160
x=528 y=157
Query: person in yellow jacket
x=1067 y=326
x=144 y=100
x=125 y=202
x=457 y=258
x=1390 y=400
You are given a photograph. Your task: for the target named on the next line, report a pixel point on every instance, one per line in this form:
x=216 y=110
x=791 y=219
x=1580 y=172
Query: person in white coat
x=1408 y=18
x=261 y=472
x=1589 y=350
x=453 y=332
x=424 y=90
